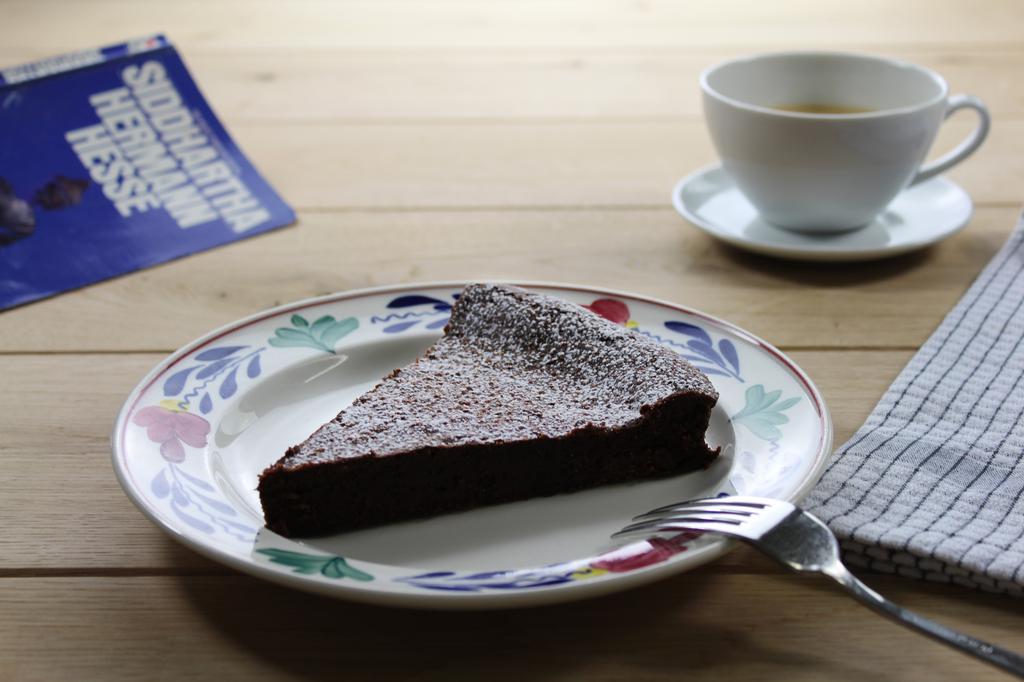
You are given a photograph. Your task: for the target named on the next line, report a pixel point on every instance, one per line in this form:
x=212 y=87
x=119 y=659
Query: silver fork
x=802 y=542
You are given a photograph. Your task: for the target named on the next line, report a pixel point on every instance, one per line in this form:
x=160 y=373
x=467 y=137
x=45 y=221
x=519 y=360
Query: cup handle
x=965 y=148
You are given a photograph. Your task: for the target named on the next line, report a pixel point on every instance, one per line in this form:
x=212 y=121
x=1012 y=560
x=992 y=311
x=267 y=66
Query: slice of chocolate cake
x=525 y=395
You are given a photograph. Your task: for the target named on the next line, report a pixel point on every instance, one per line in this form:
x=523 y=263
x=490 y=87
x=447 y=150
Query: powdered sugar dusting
x=512 y=365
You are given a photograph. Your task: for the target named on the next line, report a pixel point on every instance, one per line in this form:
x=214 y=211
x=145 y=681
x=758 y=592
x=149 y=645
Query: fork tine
x=677 y=526
x=750 y=502
x=694 y=508
x=746 y=500
x=679 y=521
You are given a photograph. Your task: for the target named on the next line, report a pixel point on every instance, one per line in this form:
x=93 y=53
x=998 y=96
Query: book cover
x=112 y=161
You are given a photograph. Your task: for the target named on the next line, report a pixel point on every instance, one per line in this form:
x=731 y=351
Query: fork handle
x=989 y=653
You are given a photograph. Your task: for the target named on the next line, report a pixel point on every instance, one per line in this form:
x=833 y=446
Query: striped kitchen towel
x=932 y=486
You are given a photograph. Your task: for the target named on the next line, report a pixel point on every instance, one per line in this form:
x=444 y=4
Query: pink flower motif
x=632 y=557
x=610 y=309
x=171 y=428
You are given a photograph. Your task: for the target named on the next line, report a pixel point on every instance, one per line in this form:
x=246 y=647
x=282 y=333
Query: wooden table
x=455 y=139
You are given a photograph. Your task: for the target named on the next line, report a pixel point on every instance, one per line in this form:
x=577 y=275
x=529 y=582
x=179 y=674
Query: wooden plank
x=67 y=514
x=521 y=164
x=327 y=164
x=743 y=24
x=702 y=625
x=410 y=85
x=56 y=474
x=541 y=110
x=650 y=252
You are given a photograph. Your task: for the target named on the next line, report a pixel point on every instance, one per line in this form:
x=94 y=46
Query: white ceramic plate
x=194 y=435
x=918 y=217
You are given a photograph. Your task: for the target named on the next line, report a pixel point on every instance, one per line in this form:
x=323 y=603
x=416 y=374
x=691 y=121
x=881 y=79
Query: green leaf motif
x=338 y=568
x=286 y=333
x=294 y=343
x=762 y=414
x=334 y=567
x=337 y=330
x=320 y=325
x=322 y=335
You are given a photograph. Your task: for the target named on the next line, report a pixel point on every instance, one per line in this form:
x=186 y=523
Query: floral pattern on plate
x=178 y=424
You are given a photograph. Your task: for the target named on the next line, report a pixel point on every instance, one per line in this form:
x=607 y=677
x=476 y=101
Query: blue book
x=111 y=161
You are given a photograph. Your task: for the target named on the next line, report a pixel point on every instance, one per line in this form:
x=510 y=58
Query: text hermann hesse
x=148 y=152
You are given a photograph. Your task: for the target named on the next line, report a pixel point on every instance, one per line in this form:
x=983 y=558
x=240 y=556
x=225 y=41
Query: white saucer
x=920 y=216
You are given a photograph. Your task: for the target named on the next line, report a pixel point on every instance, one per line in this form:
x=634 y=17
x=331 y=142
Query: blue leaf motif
x=437 y=324
x=217 y=353
x=694 y=358
x=253 y=370
x=711 y=371
x=496 y=580
x=160 y=486
x=729 y=353
x=198 y=482
x=707 y=351
x=400 y=326
x=689 y=330
x=485 y=575
x=442 y=306
x=216 y=504
x=239 y=526
x=700 y=342
x=434 y=574
x=176 y=382
x=178 y=494
x=206 y=404
x=191 y=520
x=413 y=299
x=213 y=368
x=449 y=588
x=229 y=386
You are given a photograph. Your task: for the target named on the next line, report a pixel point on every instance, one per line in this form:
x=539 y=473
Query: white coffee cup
x=829 y=172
